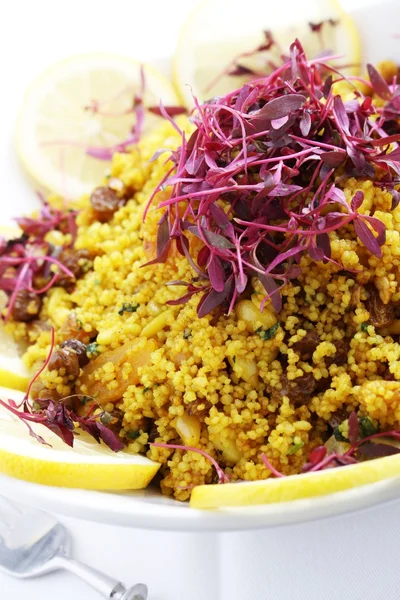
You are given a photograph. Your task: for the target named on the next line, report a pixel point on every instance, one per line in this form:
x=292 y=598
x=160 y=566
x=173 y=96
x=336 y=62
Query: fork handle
x=107 y=586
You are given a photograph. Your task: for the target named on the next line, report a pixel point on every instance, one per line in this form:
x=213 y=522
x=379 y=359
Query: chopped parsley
x=85 y=399
x=294 y=448
x=92 y=349
x=367 y=427
x=268 y=334
x=364 y=326
x=133 y=434
x=128 y=308
x=339 y=437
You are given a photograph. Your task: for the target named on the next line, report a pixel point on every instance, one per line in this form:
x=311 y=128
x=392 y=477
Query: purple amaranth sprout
x=24 y=259
x=57 y=417
x=256 y=180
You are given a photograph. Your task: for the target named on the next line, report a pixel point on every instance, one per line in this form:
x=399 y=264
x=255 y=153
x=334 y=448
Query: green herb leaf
x=133 y=434
x=85 y=399
x=92 y=349
x=367 y=427
x=339 y=437
x=127 y=307
x=294 y=448
x=364 y=327
x=268 y=334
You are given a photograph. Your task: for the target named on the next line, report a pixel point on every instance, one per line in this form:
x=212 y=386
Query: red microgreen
x=379 y=85
x=222 y=478
x=354 y=428
x=57 y=417
x=30 y=258
x=269 y=151
x=172 y=111
x=270 y=467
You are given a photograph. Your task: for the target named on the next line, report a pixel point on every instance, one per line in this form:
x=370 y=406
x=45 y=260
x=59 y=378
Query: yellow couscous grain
x=218 y=382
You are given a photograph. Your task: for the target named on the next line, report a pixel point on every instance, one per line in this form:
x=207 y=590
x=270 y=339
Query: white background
x=345 y=558
x=37 y=33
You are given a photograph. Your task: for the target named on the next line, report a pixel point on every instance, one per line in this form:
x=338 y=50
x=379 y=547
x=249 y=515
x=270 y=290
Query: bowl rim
x=147 y=509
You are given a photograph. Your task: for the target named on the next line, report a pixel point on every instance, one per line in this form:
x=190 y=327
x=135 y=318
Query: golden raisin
x=27 y=306
x=105 y=202
x=67 y=359
x=380 y=314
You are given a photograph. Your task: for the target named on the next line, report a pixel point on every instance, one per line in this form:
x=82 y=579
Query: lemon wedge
x=82 y=102
x=88 y=465
x=216 y=32
x=296 y=487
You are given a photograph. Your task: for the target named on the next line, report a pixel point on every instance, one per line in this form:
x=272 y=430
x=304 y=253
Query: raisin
x=105 y=203
x=307 y=345
x=199 y=408
x=27 y=306
x=153 y=434
x=74 y=260
x=338 y=417
x=340 y=357
x=298 y=390
x=65 y=358
x=355 y=296
x=79 y=348
x=380 y=314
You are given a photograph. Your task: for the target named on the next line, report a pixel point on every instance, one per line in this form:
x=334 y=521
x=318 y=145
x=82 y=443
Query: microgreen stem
x=222 y=478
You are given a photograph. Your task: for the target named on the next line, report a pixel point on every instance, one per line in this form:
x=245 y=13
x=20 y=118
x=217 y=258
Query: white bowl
x=339 y=547
x=378 y=23
x=350 y=556
x=148 y=509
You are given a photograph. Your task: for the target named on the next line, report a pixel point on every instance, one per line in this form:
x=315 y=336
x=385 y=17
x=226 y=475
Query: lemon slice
x=87 y=465
x=13 y=372
x=296 y=487
x=10 y=231
x=78 y=103
x=216 y=32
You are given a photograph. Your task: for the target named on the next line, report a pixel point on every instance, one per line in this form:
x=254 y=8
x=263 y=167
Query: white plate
x=379 y=25
x=149 y=510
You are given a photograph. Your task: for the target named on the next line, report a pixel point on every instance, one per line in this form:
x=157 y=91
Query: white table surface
x=352 y=557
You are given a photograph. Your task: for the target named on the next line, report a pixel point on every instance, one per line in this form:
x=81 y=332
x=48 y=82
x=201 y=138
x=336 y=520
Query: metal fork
x=34 y=543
